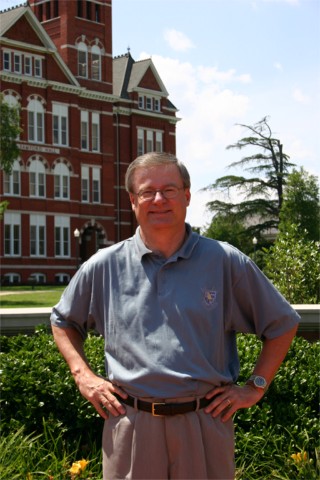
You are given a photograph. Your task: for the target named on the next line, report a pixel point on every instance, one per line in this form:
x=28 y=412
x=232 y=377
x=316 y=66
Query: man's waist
x=177 y=406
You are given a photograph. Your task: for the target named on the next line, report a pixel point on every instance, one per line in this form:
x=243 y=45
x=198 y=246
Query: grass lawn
x=19 y=297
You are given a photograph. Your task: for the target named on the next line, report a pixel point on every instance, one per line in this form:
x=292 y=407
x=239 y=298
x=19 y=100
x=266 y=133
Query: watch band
x=257 y=381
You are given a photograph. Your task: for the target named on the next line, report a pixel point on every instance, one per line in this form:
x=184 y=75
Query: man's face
x=159 y=212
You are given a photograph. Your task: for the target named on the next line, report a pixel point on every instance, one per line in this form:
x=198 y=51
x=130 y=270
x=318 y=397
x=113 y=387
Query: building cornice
x=28 y=47
x=143 y=113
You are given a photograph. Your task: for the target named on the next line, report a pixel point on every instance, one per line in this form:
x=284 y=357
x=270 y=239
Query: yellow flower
x=29 y=476
x=83 y=463
x=78 y=467
x=75 y=469
x=300 y=457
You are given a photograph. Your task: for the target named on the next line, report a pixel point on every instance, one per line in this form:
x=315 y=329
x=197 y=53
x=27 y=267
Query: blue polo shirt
x=170 y=324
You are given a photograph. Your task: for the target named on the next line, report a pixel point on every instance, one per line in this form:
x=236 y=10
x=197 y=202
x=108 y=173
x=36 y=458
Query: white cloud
x=178 y=41
x=300 y=97
x=209 y=111
x=212 y=74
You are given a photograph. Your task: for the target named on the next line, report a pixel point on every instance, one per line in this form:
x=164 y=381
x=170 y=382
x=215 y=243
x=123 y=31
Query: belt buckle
x=153 y=406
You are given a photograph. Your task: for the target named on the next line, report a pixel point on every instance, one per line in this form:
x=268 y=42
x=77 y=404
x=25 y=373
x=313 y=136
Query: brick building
x=84 y=117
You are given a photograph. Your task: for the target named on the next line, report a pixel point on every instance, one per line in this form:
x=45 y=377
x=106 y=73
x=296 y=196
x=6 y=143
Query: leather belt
x=159 y=409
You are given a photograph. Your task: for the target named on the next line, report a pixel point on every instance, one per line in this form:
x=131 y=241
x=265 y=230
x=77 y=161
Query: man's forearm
x=272 y=355
x=70 y=345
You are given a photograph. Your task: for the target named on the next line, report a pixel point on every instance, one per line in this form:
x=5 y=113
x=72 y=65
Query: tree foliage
x=226 y=228
x=9 y=131
x=301 y=204
x=262 y=193
x=292 y=264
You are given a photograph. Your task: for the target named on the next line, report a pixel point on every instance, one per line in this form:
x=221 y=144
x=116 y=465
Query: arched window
x=11 y=183
x=37 y=179
x=95 y=63
x=82 y=60
x=61 y=181
x=35 y=121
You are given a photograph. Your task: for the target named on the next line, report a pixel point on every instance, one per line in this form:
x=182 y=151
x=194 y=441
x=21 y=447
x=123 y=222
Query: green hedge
x=39 y=395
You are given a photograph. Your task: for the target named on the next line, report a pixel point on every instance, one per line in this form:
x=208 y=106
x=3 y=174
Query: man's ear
x=132 y=200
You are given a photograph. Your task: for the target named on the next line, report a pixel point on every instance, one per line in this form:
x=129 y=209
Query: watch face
x=260 y=382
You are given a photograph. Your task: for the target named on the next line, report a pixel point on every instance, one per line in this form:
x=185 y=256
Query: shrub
x=40 y=397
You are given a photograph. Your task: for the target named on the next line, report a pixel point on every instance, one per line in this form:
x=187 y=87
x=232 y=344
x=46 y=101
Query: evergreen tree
x=263 y=193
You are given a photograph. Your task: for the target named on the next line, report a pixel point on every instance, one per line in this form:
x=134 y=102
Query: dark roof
x=127 y=74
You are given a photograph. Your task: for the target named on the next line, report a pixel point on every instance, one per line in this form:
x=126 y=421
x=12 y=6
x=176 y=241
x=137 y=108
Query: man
x=169 y=304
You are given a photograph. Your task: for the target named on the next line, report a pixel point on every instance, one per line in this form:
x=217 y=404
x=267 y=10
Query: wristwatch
x=257 y=381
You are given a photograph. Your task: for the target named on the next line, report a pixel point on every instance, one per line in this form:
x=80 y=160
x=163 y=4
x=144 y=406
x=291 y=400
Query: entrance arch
x=92 y=239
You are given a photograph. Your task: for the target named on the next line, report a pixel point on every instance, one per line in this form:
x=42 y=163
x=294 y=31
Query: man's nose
x=161 y=195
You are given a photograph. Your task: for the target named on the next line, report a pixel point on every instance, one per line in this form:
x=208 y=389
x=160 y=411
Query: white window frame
x=36 y=132
x=84 y=130
x=7 y=60
x=61 y=182
x=85 y=185
x=37 y=179
x=37 y=235
x=62 y=278
x=159 y=142
x=149 y=103
x=40 y=278
x=150 y=141
x=17 y=62
x=28 y=65
x=95 y=63
x=141 y=102
x=14 y=278
x=38 y=67
x=157 y=104
x=62 y=237
x=82 y=60
x=12 y=234
x=140 y=142
x=95 y=132
x=96 y=185
x=12 y=182
x=60 y=131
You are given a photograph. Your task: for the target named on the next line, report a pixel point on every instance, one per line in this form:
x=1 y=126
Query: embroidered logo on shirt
x=209 y=297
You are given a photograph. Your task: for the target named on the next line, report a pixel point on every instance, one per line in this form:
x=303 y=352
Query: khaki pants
x=193 y=446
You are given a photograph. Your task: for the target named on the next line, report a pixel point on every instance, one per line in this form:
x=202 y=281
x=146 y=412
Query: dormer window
x=7 y=61
x=149 y=103
x=38 y=67
x=157 y=104
x=17 y=63
x=141 y=102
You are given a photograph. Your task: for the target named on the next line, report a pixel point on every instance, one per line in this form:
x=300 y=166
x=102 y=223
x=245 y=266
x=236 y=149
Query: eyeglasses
x=167 y=192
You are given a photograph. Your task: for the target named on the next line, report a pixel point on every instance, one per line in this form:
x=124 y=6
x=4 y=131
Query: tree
x=263 y=195
x=301 y=204
x=9 y=131
x=292 y=264
x=227 y=229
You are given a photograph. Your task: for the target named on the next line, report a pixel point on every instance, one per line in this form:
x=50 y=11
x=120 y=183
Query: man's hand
x=100 y=393
x=228 y=399
x=95 y=389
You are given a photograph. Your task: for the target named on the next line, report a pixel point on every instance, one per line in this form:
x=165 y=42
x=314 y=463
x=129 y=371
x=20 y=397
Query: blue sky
x=226 y=62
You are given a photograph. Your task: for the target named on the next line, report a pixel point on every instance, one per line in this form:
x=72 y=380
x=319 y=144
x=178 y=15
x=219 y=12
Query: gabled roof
x=127 y=75
x=9 y=17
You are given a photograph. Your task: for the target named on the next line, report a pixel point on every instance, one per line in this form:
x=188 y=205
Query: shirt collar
x=184 y=251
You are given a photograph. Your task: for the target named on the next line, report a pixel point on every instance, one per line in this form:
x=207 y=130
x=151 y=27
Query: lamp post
x=254 y=241
x=76 y=234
